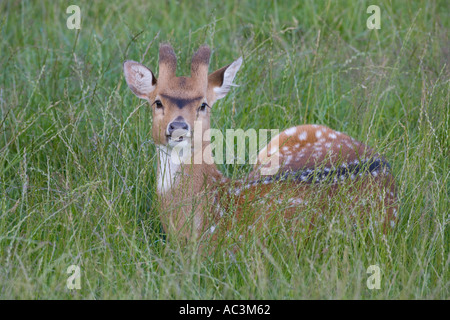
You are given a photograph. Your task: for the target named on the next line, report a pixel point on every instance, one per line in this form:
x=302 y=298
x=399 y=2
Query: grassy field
x=77 y=166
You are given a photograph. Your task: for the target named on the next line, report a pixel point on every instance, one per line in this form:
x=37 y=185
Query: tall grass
x=77 y=164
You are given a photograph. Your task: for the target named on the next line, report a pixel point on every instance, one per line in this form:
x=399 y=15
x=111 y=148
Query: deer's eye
x=158 y=104
x=203 y=107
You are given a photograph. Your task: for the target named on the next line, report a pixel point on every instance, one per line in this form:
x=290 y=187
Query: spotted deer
x=317 y=166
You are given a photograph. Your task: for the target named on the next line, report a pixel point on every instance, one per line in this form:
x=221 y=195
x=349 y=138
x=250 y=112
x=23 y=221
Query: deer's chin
x=179 y=141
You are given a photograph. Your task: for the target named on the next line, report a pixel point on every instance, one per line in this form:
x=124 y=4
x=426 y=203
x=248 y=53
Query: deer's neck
x=167 y=170
x=174 y=169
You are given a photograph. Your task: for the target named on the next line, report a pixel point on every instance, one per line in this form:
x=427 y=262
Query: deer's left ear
x=221 y=81
x=139 y=78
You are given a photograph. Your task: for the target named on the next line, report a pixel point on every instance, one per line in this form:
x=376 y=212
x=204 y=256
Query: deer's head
x=179 y=101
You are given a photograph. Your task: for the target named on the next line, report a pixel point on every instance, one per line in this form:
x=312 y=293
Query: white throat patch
x=169 y=166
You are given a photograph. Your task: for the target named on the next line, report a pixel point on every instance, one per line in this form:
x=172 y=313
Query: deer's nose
x=177 y=125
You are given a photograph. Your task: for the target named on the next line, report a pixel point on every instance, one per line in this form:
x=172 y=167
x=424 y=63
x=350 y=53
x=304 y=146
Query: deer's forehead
x=181 y=92
x=181 y=86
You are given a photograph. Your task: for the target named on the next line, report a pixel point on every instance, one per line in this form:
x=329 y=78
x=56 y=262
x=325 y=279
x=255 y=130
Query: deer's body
x=316 y=164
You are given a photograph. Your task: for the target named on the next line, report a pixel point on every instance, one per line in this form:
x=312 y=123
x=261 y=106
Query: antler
x=167 y=62
x=200 y=63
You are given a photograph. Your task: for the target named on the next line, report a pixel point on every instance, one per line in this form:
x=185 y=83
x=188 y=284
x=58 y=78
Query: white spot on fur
x=303 y=135
x=332 y=136
x=296 y=201
x=318 y=134
x=273 y=150
x=290 y=131
x=288 y=160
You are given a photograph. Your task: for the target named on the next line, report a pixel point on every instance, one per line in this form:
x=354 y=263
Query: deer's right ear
x=221 y=80
x=139 y=78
